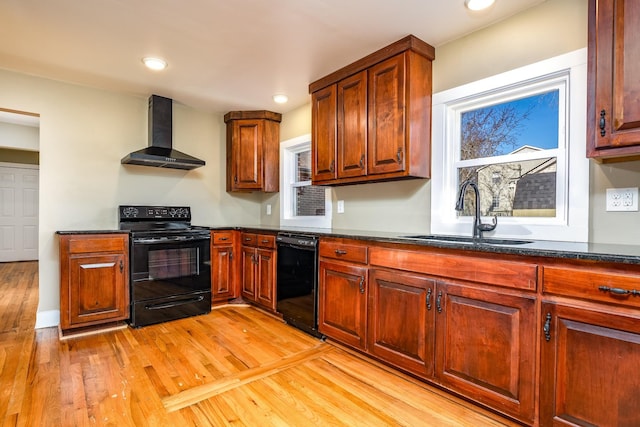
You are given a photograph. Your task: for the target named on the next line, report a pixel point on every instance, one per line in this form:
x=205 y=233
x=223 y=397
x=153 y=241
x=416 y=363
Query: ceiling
x=223 y=55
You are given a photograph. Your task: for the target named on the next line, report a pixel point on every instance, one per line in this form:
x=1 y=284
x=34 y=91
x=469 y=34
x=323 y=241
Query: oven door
x=169 y=268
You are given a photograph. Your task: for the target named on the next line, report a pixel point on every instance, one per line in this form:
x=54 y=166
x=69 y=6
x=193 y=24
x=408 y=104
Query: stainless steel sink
x=467 y=240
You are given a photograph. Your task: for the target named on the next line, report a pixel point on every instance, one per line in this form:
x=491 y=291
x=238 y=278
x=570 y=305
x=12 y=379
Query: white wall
x=84 y=133
x=19 y=137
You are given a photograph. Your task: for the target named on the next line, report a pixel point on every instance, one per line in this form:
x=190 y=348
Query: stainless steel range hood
x=160 y=152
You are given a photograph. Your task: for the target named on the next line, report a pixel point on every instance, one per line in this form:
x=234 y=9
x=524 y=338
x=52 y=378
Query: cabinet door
x=97 y=289
x=246 y=152
x=485 y=347
x=266 y=278
x=401 y=316
x=589 y=368
x=248 y=272
x=352 y=126
x=343 y=303
x=386 y=137
x=614 y=49
x=222 y=276
x=323 y=134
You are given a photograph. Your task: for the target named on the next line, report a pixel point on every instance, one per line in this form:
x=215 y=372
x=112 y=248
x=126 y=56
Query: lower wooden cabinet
x=590 y=361
x=486 y=346
x=401 y=320
x=223 y=266
x=94 y=279
x=343 y=303
x=258 y=269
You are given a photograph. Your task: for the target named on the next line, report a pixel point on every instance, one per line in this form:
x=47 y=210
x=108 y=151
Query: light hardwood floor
x=235 y=366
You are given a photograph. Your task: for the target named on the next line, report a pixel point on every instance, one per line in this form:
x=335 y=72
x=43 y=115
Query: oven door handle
x=170 y=240
x=173 y=304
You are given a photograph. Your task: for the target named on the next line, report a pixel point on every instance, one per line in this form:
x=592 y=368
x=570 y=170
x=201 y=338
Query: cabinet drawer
x=89 y=243
x=505 y=273
x=594 y=284
x=249 y=239
x=222 y=237
x=343 y=251
x=266 y=241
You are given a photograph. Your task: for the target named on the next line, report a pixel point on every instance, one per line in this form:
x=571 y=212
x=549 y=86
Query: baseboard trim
x=47 y=319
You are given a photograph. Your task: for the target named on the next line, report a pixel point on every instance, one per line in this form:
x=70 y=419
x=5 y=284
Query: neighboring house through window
x=301 y=204
x=520 y=136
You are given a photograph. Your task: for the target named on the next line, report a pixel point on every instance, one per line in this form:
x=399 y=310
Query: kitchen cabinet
x=258 y=269
x=589 y=367
x=223 y=266
x=613 y=125
x=486 y=346
x=464 y=322
x=401 y=320
x=94 y=279
x=590 y=345
x=371 y=120
x=343 y=292
x=253 y=150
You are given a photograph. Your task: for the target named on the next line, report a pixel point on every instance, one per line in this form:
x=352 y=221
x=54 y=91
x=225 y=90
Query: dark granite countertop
x=628 y=254
x=67 y=232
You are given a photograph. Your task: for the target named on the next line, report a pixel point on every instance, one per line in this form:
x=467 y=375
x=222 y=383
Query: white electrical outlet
x=622 y=199
x=340 y=206
x=268 y=209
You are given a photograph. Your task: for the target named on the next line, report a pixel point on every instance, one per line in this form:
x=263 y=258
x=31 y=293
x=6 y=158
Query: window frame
x=288 y=185
x=572 y=192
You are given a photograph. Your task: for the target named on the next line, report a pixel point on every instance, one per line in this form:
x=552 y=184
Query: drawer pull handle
x=247 y=239
x=547 y=327
x=619 y=291
x=429 y=299
x=361 y=284
x=340 y=252
x=265 y=241
x=223 y=238
x=602 y=123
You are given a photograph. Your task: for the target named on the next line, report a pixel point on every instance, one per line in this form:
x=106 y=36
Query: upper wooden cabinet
x=371 y=120
x=253 y=143
x=613 y=125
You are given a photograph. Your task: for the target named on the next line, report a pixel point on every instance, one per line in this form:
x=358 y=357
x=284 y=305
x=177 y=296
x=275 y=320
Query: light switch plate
x=340 y=206
x=622 y=199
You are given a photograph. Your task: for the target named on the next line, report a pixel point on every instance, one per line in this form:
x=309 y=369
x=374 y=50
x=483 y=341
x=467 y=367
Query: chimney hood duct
x=160 y=153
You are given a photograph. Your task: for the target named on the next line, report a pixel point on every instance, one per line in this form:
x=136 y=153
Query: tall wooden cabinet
x=94 y=279
x=253 y=144
x=613 y=123
x=371 y=120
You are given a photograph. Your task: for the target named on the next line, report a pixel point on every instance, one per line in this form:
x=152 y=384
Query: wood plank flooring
x=236 y=366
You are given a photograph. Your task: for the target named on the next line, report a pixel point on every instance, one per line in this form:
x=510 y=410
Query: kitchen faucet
x=478 y=226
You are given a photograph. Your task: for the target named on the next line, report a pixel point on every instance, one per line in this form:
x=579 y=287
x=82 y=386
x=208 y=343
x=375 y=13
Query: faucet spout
x=478 y=226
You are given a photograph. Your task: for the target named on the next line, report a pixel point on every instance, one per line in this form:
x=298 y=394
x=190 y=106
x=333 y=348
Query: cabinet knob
x=439 y=302
x=361 y=284
x=121 y=266
x=332 y=166
x=399 y=155
x=362 y=162
x=429 y=299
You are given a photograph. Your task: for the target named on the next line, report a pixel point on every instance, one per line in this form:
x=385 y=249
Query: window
x=521 y=137
x=301 y=204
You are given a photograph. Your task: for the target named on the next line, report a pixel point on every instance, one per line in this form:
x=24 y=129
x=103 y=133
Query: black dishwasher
x=297 y=281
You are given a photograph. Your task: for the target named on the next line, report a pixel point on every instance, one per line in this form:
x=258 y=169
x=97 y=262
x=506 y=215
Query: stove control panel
x=128 y=213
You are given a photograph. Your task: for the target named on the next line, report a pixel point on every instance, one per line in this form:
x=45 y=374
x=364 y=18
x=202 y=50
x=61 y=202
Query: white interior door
x=18 y=212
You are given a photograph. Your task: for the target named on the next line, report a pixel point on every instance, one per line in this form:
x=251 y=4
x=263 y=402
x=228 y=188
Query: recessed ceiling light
x=155 y=64
x=478 y=4
x=280 y=98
